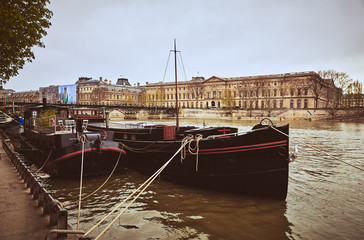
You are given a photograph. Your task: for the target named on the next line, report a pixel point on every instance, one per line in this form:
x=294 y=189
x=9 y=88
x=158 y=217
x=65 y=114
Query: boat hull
x=254 y=163
x=61 y=155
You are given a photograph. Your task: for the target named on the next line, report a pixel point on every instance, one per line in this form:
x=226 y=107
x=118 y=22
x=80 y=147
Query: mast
x=175 y=77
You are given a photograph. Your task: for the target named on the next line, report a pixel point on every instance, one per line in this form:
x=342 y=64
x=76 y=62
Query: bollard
x=41 y=199
x=62 y=222
x=53 y=215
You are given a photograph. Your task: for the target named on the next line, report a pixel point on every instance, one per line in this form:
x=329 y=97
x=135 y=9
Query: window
x=299 y=91
x=291 y=103
x=306 y=91
x=34 y=114
x=305 y=104
x=262 y=105
x=275 y=92
x=281 y=104
x=298 y=103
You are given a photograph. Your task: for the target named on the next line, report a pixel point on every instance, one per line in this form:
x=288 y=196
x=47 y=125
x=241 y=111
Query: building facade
x=50 y=94
x=103 y=92
x=25 y=96
x=280 y=91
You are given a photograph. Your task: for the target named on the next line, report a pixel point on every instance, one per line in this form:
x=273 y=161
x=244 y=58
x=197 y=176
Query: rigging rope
x=146 y=184
x=165 y=71
x=183 y=67
x=319 y=150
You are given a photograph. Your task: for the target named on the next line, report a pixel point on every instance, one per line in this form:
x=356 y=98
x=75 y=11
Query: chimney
x=100 y=79
x=146 y=83
x=138 y=84
x=109 y=82
x=134 y=84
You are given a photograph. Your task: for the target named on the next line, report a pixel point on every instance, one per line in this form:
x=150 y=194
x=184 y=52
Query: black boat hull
x=254 y=163
x=61 y=155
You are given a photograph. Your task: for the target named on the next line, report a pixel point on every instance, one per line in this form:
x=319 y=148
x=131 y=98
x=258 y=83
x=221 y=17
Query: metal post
x=107 y=118
x=175 y=76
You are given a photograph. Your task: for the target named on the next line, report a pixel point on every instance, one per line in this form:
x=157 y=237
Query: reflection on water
x=325 y=196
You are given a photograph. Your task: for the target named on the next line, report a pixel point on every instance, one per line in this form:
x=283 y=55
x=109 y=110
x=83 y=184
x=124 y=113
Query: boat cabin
x=92 y=115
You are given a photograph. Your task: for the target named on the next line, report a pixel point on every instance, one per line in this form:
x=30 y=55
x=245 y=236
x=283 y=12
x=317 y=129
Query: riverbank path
x=20 y=217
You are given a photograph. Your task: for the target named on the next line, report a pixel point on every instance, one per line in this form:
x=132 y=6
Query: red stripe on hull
x=242 y=147
x=241 y=150
x=136 y=133
x=73 y=154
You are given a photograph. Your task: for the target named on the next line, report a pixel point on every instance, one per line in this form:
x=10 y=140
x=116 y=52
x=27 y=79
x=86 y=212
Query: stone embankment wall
x=287 y=114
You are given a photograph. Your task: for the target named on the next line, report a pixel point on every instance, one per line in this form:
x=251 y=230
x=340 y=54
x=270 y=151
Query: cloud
x=222 y=38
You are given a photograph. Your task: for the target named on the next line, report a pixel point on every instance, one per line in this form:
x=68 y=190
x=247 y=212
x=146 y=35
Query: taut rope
x=145 y=185
x=319 y=150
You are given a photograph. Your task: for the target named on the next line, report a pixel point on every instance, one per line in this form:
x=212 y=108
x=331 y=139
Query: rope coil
x=192 y=150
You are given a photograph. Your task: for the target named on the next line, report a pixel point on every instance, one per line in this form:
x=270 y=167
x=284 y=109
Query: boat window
x=34 y=114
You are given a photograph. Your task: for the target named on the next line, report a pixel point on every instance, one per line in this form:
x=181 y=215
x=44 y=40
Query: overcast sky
x=224 y=38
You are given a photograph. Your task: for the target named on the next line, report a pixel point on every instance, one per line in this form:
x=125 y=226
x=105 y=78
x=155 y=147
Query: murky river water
x=325 y=196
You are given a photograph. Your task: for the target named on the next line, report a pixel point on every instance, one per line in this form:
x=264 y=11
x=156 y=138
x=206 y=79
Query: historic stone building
x=303 y=90
x=103 y=92
x=50 y=94
x=25 y=96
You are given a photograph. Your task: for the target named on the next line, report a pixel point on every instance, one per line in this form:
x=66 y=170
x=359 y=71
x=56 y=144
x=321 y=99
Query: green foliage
x=129 y=100
x=2 y=109
x=22 y=25
x=228 y=99
x=46 y=114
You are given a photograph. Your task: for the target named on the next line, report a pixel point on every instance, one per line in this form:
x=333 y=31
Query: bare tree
x=197 y=89
x=161 y=95
x=228 y=99
x=317 y=88
x=339 y=82
x=355 y=95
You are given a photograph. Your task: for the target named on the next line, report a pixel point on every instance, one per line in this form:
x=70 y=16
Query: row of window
x=244 y=94
x=245 y=105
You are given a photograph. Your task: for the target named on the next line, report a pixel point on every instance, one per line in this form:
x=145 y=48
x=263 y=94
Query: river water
x=325 y=196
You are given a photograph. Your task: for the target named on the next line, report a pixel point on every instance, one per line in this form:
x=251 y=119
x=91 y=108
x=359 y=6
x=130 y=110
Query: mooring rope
x=44 y=162
x=83 y=139
x=144 y=149
x=192 y=150
x=107 y=179
x=319 y=150
x=145 y=185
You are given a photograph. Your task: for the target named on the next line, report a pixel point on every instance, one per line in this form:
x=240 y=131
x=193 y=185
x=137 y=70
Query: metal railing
x=58 y=216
